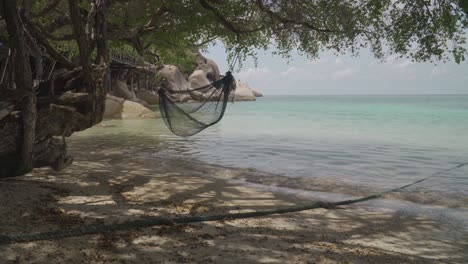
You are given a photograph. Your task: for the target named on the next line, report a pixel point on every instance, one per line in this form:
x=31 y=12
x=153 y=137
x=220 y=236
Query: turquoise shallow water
x=373 y=142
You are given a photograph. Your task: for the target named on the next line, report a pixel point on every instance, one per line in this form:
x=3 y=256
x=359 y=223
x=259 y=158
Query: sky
x=345 y=75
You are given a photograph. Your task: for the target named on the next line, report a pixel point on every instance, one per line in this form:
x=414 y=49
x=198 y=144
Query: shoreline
x=106 y=186
x=329 y=189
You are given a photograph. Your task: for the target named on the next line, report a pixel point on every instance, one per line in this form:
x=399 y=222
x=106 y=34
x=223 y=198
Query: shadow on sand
x=110 y=185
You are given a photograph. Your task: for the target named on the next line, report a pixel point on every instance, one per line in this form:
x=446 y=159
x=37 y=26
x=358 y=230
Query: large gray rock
x=210 y=69
x=118 y=108
x=198 y=79
x=257 y=94
x=172 y=79
x=143 y=103
x=206 y=73
x=199 y=96
x=243 y=92
x=132 y=110
x=114 y=107
x=213 y=73
x=149 y=97
x=120 y=89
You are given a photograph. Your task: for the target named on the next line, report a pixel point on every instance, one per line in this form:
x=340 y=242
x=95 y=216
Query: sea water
x=369 y=142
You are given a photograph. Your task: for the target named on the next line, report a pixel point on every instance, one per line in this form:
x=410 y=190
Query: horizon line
x=363 y=94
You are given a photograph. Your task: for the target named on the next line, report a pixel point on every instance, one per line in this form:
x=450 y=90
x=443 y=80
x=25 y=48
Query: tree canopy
x=423 y=30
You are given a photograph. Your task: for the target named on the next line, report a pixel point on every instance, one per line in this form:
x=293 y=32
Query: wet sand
x=106 y=186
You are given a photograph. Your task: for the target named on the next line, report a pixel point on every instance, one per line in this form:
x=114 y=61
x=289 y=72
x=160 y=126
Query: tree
x=77 y=35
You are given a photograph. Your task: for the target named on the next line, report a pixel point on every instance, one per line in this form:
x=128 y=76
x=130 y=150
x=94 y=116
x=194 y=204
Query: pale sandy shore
x=107 y=186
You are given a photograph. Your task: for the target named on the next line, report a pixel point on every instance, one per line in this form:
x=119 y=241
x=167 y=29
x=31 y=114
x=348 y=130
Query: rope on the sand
x=160 y=221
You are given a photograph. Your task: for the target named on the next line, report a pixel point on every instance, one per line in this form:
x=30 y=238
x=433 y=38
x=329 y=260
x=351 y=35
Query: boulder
x=199 y=96
x=120 y=89
x=114 y=107
x=183 y=98
x=172 y=79
x=118 y=108
x=132 y=110
x=198 y=79
x=143 y=103
x=243 y=92
x=209 y=67
x=149 y=97
x=213 y=70
x=206 y=73
x=257 y=94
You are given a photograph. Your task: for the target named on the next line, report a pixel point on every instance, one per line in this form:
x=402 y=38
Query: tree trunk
x=102 y=82
x=34 y=135
x=24 y=85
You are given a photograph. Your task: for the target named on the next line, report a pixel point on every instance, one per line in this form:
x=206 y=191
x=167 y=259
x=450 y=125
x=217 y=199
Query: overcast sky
x=331 y=75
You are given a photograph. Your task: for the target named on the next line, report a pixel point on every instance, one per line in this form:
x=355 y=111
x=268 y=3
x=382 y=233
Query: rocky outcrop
x=257 y=94
x=243 y=92
x=139 y=101
x=152 y=98
x=120 y=89
x=119 y=108
x=145 y=98
x=114 y=107
x=206 y=73
x=209 y=67
x=172 y=79
x=132 y=110
x=198 y=79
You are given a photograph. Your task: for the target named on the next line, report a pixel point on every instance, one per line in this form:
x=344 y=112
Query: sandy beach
x=106 y=186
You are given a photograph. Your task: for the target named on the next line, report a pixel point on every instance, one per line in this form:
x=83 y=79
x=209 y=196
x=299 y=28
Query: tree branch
x=226 y=23
x=116 y=33
x=291 y=21
x=51 y=5
x=57 y=23
x=80 y=35
x=37 y=33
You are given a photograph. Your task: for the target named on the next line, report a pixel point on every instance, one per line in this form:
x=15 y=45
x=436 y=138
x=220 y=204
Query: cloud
x=438 y=72
x=339 y=61
x=317 y=62
x=345 y=73
x=398 y=64
x=402 y=65
x=254 y=73
x=302 y=75
x=289 y=70
x=404 y=68
x=315 y=76
x=391 y=59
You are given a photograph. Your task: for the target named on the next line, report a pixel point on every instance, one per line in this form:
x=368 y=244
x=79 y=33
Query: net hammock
x=188 y=112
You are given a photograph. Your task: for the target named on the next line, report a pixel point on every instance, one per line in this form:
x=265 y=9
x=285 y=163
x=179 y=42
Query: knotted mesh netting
x=187 y=112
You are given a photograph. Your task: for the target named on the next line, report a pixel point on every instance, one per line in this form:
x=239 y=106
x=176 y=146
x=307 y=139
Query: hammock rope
x=162 y=221
x=188 y=112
